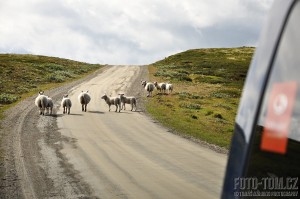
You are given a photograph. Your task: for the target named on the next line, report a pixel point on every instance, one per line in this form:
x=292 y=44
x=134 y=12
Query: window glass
x=276 y=144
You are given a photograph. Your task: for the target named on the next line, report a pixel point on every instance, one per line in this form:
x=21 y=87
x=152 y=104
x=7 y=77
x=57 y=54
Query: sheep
x=169 y=88
x=41 y=102
x=112 y=101
x=66 y=104
x=127 y=100
x=160 y=86
x=84 y=98
x=49 y=105
x=149 y=87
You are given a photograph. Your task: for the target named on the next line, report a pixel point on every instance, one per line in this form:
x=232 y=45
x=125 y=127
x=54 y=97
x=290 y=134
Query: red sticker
x=280 y=108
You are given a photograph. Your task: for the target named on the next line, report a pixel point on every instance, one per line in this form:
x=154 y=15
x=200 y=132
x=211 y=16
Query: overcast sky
x=127 y=32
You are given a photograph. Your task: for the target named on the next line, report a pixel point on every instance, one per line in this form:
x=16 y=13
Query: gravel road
x=102 y=154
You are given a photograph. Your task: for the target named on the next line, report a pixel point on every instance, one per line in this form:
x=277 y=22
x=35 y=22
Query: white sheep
x=41 y=102
x=149 y=87
x=169 y=88
x=112 y=101
x=49 y=106
x=160 y=86
x=84 y=98
x=66 y=104
x=127 y=100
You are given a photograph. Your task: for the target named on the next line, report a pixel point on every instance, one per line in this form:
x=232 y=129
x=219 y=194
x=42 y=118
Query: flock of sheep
x=45 y=103
x=162 y=87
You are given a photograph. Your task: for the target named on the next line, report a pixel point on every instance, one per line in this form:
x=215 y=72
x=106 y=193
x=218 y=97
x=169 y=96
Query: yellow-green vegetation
x=22 y=75
x=207 y=87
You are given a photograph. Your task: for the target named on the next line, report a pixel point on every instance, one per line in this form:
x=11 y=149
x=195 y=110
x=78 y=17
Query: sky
x=127 y=32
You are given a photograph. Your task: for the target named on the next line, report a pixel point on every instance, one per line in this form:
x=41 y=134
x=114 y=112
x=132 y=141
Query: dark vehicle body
x=264 y=158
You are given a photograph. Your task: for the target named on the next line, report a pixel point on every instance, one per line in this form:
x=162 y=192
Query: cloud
x=135 y=32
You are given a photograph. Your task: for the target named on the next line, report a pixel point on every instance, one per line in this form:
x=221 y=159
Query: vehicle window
x=275 y=152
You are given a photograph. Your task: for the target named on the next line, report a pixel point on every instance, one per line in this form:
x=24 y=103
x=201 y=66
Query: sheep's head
x=144 y=83
x=121 y=95
x=104 y=97
x=41 y=92
x=155 y=83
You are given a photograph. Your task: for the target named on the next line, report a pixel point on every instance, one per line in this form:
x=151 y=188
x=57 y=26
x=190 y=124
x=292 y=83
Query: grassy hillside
x=207 y=87
x=21 y=75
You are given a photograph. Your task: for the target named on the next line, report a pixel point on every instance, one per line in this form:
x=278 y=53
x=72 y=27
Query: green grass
x=207 y=87
x=21 y=75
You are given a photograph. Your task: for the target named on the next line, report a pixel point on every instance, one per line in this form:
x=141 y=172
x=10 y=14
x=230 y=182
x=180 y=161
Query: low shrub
x=190 y=106
x=195 y=117
x=209 y=113
x=8 y=98
x=210 y=79
x=59 y=76
x=55 y=77
x=218 y=116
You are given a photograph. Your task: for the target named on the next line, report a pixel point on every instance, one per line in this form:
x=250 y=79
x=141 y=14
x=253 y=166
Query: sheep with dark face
x=160 y=86
x=49 y=106
x=149 y=87
x=112 y=101
x=127 y=100
x=84 y=98
x=66 y=104
x=41 y=102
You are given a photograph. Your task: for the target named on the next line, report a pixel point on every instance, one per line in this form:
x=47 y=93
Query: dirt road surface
x=102 y=154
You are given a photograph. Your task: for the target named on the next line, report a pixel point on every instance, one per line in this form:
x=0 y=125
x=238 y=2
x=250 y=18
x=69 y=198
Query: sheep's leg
x=134 y=106
x=108 y=107
x=82 y=107
x=85 y=107
x=116 y=108
x=68 y=110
